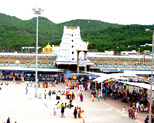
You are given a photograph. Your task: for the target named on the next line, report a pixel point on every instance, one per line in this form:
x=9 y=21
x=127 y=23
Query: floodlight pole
x=151 y=78
x=151 y=75
x=139 y=56
x=37 y=11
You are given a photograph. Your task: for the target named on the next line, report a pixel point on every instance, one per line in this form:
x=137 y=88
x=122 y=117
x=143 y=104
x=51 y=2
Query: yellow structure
x=69 y=27
x=47 y=49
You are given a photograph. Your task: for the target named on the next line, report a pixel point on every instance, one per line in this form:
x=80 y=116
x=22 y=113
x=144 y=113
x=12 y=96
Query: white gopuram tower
x=72 y=48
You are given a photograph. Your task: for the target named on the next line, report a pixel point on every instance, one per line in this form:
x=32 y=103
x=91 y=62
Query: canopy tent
x=140 y=85
x=123 y=78
x=104 y=77
x=137 y=72
x=101 y=79
x=98 y=74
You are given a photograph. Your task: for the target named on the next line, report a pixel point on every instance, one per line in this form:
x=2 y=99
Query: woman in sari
x=79 y=114
x=75 y=113
x=92 y=97
x=81 y=97
x=73 y=96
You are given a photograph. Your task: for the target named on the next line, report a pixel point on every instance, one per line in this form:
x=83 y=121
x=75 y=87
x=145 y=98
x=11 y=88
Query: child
x=99 y=97
x=123 y=111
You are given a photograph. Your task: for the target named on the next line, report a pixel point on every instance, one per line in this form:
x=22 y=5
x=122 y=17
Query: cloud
x=113 y=11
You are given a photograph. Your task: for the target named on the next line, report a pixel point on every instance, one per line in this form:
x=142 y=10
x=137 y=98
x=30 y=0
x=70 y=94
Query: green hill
x=120 y=38
x=15 y=33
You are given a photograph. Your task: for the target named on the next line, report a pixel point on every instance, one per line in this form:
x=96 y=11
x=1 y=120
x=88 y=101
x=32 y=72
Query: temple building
x=55 y=49
x=72 y=50
x=47 y=49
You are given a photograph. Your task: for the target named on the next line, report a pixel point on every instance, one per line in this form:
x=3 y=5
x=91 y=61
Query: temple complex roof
x=47 y=49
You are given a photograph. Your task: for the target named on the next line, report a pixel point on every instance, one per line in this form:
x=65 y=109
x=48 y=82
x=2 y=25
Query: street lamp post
x=139 y=55
x=37 y=11
x=151 y=75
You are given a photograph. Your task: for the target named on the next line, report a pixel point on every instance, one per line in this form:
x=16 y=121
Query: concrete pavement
x=14 y=103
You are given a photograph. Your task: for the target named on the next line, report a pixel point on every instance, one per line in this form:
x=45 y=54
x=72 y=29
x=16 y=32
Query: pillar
x=95 y=84
x=101 y=88
x=78 y=61
x=85 y=59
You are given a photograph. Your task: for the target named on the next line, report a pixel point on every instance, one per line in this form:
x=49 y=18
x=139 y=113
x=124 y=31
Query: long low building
x=100 y=61
x=28 y=74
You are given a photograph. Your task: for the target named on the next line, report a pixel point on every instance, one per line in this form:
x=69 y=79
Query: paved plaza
x=24 y=108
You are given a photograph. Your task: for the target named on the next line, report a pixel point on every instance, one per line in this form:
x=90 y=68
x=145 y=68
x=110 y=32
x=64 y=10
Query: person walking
x=69 y=93
x=123 y=112
x=26 y=90
x=83 y=116
x=134 y=110
x=49 y=93
x=39 y=85
x=8 y=120
x=104 y=96
x=73 y=96
x=81 y=97
x=78 y=91
x=79 y=113
x=92 y=97
x=45 y=94
x=62 y=112
x=99 y=96
x=65 y=105
x=129 y=111
x=146 y=119
x=61 y=105
x=70 y=104
x=75 y=113
x=136 y=114
x=54 y=111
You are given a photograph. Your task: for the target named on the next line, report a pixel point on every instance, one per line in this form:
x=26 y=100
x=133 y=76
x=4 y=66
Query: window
x=73 y=52
x=72 y=35
x=72 y=58
x=72 y=40
x=72 y=46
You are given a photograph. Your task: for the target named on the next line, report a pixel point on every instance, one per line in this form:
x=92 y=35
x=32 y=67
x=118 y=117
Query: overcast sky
x=112 y=11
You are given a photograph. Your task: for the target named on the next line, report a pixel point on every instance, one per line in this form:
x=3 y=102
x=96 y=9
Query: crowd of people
x=70 y=95
x=78 y=113
x=147 y=119
x=138 y=100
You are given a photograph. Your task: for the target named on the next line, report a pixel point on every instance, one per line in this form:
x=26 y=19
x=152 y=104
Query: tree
x=91 y=45
x=16 y=46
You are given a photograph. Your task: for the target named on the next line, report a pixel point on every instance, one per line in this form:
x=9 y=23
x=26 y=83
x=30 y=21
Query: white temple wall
x=71 y=42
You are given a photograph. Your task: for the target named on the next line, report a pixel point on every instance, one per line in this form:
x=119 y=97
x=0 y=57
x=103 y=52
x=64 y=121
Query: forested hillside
x=15 y=33
x=120 y=38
